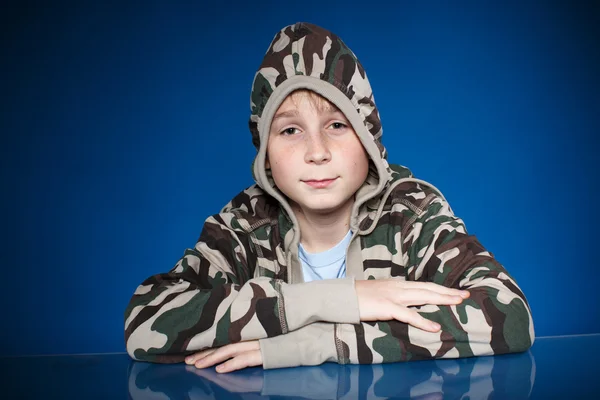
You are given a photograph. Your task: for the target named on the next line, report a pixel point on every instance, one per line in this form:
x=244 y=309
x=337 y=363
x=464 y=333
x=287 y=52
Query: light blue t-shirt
x=328 y=264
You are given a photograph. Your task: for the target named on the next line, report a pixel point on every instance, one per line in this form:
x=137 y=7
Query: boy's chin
x=324 y=207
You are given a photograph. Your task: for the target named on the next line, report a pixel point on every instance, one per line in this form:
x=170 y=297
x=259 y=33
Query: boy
x=334 y=255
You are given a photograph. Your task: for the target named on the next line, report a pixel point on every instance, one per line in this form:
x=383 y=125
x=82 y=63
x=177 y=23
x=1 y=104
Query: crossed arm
x=219 y=319
x=378 y=300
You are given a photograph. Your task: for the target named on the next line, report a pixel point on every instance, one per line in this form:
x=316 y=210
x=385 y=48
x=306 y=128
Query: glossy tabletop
x=562 y=368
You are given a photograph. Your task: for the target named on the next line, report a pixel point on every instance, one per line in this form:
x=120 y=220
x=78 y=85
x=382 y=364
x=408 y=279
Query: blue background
x=125 y=125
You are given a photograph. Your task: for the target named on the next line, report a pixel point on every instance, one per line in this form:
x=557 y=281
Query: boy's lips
x=319 y=183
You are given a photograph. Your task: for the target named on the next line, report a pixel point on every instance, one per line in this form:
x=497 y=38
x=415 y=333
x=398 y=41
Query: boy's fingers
x=216 y=357
x=246 y=359
x=434 y=287
x=417 y=297
x=448 y=291
x=413 y=318
x=191 y=359
x=223 y=353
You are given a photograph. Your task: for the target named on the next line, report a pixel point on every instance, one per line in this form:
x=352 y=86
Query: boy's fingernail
x=199 y=363
x=464 y=293
x=189 y=360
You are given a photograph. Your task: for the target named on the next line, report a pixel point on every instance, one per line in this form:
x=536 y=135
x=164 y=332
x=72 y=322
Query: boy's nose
x=317 y=149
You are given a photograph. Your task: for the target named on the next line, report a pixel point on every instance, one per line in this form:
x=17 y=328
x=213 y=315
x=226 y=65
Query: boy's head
x=315 y=157
x=309 y=71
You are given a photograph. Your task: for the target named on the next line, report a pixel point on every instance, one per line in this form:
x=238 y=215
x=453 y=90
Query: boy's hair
x=318 y=102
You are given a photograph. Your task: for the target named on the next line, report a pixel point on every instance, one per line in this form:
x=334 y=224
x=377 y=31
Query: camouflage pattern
x=316 y=59
x=308 y=50
x=237 y=283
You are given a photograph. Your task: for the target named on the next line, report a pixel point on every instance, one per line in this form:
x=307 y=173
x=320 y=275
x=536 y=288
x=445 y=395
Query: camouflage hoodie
x=243 y=280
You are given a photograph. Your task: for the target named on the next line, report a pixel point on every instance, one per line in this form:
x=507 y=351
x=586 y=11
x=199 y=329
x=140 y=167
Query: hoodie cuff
x=329 y=300
x=311 y=345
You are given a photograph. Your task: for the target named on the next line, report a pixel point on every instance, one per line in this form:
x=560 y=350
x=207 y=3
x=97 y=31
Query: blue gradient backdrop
x=125 y=125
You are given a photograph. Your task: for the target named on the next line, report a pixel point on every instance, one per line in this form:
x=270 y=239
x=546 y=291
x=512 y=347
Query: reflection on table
x=564 y=368
x=510 y=376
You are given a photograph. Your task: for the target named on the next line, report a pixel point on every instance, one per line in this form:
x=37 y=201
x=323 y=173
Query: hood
x=305 y=56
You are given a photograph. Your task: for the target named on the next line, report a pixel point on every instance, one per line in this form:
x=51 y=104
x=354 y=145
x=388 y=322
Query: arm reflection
x=508 y=376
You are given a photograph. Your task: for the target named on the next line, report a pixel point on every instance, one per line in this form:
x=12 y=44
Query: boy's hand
x=387 y=299
x=230 y=357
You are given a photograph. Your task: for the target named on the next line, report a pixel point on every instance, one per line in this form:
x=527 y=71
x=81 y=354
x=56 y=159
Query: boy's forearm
x=330 y=300
x=495 y=319
x=312 y=344
x=465 y=332
x=390 y=341
x=169 y=318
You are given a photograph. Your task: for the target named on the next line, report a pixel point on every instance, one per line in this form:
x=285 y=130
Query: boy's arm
x=210 y=299
x=495 y=319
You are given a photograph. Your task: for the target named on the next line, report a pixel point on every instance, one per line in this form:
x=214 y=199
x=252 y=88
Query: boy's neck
x=321 y=232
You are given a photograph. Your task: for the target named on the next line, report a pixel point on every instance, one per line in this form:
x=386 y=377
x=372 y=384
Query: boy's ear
x=267 y=163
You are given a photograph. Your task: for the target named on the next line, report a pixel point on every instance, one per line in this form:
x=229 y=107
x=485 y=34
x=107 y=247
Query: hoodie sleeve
x=210 y=299
x=495 y=319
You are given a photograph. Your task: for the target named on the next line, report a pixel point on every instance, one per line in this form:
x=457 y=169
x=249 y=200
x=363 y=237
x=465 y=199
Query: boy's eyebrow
x=284 y=114
x=295 y=113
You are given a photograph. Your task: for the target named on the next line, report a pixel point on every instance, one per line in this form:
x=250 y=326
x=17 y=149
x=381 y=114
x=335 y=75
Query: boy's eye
x=289 y=131
x=338 y=125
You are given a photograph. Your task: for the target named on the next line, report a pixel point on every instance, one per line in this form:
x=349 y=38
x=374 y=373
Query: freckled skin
x=312 y=143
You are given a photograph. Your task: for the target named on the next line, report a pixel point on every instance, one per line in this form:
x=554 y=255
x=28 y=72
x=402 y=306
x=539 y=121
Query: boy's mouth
x=319 y=183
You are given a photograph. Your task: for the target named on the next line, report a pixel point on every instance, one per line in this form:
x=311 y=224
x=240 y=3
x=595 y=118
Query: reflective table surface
x=561 y=368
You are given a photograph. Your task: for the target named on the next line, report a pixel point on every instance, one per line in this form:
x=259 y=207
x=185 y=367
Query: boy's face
x=315 y=156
